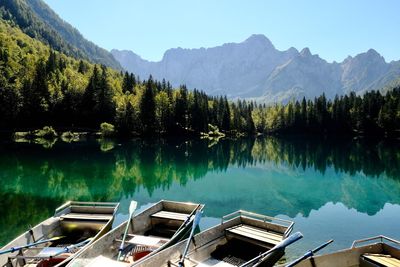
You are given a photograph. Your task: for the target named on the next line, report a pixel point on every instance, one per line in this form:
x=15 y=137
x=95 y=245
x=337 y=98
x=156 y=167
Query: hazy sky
x=333 y=29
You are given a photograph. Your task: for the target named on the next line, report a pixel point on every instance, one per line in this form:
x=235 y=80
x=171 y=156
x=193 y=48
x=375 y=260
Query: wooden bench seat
x=259 y=234
x=149 y=241
x=170 y=215
x=382 y=260
x=87 y=216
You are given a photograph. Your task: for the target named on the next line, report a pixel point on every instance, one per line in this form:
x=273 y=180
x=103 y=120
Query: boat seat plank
x=382 y=259
x=261 y=232
x=149 y=241
x=101 y=261
x=256 y=233
x=215 y=264
x=170 y=215
x=87 y=216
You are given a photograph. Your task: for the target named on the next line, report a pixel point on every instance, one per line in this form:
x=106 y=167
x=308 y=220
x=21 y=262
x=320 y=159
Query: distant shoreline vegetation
x=40 y=87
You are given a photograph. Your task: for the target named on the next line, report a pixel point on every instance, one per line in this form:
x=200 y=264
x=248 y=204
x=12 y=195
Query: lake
x=344 y=189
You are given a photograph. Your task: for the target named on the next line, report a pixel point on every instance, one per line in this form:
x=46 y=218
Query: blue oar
x=68 y=248
x=13 y=249
x=183 y=225
x=196 y=221
x=132 y=208
x=281 y=245
x=309 y=253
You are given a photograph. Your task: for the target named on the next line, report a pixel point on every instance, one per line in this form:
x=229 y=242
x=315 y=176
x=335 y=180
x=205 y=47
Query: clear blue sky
x=333 y=29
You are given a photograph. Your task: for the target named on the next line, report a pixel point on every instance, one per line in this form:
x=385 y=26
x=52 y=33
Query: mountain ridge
x=39 y=21
x=255 y=69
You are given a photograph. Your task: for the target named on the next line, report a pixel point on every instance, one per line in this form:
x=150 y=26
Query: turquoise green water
x=345 y=190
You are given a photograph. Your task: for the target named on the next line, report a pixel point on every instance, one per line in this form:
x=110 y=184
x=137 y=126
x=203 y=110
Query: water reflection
x=291 y=176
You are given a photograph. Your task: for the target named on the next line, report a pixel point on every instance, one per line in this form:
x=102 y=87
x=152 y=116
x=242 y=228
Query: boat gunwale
x=382 y=239
x=69 y=203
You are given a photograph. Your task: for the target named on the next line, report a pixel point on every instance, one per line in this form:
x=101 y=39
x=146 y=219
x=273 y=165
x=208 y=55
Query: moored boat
x=56 y=240
x=373 y=251
x=238 y=241
x=152 y=230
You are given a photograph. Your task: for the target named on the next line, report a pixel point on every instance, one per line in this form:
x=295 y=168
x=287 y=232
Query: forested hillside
x=39 y=86
x=39 y=21
x=370 y=114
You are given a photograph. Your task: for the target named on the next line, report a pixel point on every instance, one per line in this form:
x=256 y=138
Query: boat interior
x=149 y=231
x=240 y=237
x=375 y=251
x=73 y=225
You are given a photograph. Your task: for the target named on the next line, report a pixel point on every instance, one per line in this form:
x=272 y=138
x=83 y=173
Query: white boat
x=154 y=229
x=58 y=239
x=374 y=251
x=240 y=238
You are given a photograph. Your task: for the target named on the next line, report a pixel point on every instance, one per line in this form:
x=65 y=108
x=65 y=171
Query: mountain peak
x=373 y=52
x=259 y=39
x=370 y=55
x=305 y=52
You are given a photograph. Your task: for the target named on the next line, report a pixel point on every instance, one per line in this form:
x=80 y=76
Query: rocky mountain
x=256 y=69
x=36 y=19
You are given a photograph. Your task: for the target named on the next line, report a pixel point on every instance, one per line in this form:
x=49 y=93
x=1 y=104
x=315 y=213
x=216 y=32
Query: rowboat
x=56 y=240
x=237 y=241
x=154 y=229
x=374 y=251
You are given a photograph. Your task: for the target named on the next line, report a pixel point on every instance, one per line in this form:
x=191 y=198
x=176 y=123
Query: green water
x=343 y=189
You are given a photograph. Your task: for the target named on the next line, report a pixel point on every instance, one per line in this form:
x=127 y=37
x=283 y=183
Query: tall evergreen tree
x=105 y=107
x=147 y=109
x=36 y=97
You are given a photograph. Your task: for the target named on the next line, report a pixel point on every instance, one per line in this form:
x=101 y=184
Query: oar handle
x=322 y=246
x=305 y=256
x=309 y=253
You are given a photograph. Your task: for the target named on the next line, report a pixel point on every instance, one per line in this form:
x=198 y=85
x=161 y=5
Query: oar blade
x=197 y=218
x=281 y=245
x=196 y=222
x=132 y=207
x=290 y=240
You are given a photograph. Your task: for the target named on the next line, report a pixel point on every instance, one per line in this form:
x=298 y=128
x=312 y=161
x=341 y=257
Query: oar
x=196 y=221
x=281 y=245
x=309 y=253
x=187 y=220
x=132 y=208
x=68 y=248
x=13 y=249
